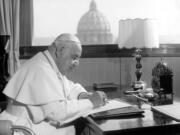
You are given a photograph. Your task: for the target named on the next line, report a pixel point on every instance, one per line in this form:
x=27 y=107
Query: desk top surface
x=149 y=119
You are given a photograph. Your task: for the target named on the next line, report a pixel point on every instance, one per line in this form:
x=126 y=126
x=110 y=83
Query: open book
x=110 y=105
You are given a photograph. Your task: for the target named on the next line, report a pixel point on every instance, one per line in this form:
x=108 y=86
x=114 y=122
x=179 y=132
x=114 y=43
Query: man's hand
x=98 y=98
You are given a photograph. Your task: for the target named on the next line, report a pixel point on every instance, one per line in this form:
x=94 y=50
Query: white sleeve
x=76 y=90
x=62 y=111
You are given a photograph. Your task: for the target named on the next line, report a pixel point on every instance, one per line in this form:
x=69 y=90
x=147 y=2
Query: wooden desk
x=151 y=124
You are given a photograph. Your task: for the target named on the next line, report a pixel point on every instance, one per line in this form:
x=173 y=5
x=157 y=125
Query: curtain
x=4 y=19
x=26 y=22
x=9 y=19
x=16 y=20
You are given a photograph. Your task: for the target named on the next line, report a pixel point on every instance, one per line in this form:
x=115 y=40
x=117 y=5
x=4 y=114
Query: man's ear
x=59 y=51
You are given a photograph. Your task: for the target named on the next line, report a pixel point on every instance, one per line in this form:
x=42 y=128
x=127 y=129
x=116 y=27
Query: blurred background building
x=94 y=28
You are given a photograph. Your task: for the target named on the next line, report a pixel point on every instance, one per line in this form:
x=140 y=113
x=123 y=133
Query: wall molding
x=110 y=50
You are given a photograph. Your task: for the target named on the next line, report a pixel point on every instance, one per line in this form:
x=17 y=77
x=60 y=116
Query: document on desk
x=171 y=110
x=111 y=104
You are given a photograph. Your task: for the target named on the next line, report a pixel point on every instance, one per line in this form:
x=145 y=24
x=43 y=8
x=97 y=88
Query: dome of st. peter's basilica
x=93 y=27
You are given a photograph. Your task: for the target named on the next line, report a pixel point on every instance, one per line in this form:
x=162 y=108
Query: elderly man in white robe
x=42 y=98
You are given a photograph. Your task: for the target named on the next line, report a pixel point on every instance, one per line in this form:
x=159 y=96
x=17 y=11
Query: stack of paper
x=171 y=110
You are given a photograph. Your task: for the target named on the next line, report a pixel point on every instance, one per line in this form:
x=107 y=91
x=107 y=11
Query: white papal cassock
x=42 y=98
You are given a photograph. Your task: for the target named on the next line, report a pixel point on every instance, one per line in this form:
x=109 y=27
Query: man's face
x=68 y=58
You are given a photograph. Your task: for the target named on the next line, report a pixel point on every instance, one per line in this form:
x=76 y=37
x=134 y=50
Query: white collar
x=52 y=63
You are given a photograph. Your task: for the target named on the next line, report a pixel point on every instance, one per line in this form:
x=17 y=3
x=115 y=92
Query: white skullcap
x=67 y=38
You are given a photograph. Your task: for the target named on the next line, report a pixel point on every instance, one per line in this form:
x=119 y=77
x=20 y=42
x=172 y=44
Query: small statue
x=160 y=69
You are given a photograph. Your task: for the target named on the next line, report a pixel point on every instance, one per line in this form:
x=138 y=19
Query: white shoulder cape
x=35 y=83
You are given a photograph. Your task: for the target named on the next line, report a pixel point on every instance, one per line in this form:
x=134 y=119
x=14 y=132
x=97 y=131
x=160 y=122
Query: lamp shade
x=139 y=33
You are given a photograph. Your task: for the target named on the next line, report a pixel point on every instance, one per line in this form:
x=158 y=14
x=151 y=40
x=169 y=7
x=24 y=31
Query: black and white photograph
x=89 y=67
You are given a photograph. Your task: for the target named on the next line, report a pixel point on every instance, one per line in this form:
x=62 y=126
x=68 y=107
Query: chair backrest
x=7 y=128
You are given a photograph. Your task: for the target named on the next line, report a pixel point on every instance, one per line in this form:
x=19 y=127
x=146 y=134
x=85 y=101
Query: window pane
x=97 y=21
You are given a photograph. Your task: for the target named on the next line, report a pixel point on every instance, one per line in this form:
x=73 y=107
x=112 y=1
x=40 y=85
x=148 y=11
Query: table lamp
x=138 y=33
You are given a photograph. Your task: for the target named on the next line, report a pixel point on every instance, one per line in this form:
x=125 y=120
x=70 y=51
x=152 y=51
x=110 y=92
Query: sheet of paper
x=112 y=104
x=171 y=110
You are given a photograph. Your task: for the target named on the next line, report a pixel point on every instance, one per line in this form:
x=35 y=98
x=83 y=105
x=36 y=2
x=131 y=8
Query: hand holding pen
x=98 y=98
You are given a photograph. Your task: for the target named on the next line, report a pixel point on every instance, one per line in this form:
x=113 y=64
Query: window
x=53 y=17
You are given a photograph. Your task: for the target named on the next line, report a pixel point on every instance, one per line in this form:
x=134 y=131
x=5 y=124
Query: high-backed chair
x=7 y=127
